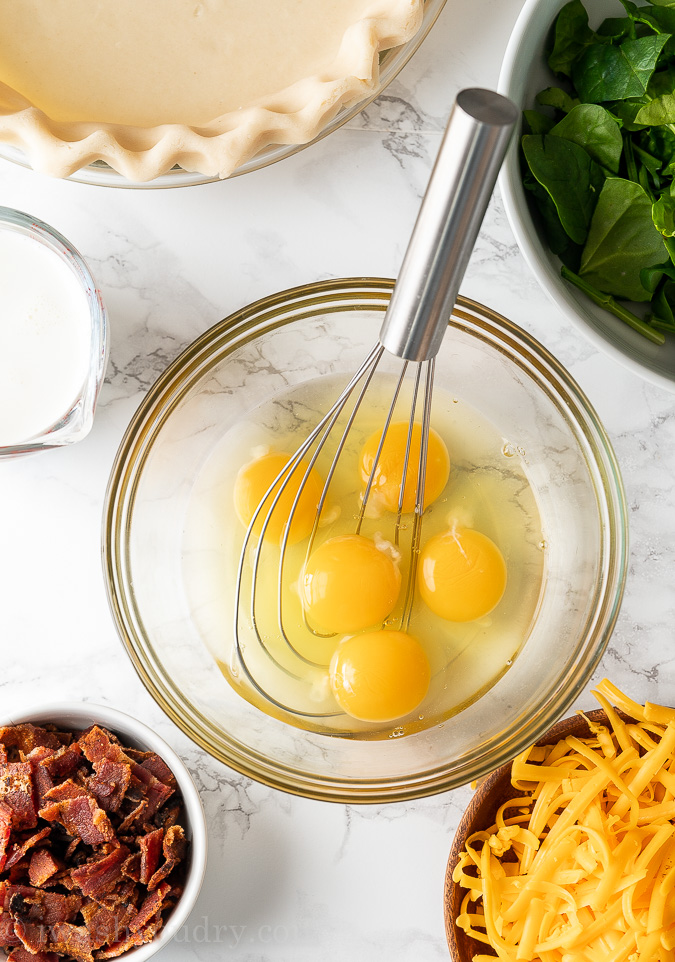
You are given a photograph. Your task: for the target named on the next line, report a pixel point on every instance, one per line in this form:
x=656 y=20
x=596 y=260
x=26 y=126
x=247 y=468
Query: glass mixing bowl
x=392 y=62
x=327 y=328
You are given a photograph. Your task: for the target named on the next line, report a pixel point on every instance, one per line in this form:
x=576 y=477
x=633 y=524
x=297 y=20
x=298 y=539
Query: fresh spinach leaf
x=571 y=37
x=663 y=307
x=622 y=240
x=556 y=237
x=651 y=277
x=536 y=122
x=569 y=175
x=640 y=15
x=660 y=143
x=617 y=28
x=604 y=72
x=558 y=98
x=651 y=163
x=660 y=94
x=593 y=128
x=665 y=18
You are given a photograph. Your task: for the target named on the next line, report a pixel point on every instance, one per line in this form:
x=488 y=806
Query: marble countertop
x=289 y=879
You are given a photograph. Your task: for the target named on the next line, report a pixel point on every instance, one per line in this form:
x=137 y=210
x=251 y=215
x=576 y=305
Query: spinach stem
x=609 y=304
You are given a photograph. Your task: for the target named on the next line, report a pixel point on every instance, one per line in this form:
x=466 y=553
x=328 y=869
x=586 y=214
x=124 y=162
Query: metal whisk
x=415 y=322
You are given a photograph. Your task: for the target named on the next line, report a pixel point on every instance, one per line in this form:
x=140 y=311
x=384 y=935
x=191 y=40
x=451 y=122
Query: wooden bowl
x=480 y=814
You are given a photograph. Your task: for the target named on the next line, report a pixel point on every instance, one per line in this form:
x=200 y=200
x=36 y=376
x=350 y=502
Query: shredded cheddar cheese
x=580 y=866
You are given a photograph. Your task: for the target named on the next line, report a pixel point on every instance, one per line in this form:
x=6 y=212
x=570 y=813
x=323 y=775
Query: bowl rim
x=70 y=713
x=392 y=62
x=245 y=324
x=510 y=186
x=475 y=814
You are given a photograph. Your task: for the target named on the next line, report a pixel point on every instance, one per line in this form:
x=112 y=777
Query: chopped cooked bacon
x=97 y=878
x=98 y=747
x=27 y=737
x=124 y=893
x=5 y=831
x=132 y=940
x=64 y=790
x=110 y=783
x=86 y=816
x=151 y=848
x=132 y=867
x=71 y=940
x=133 y=817
x=155 y=791
x=23 y=955
x=42 y=867
x=42 y=780
x=64 y=762
x=82 y=818
x=19 y=851
x=158 y=767
x=150 y=907
x=173 y=847
x=28 y=904
x=16 y=790
x=7 y=934
x=33 y=935
x=107 y=925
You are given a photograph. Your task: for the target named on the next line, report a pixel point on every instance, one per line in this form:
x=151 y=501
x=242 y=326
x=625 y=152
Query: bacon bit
x=64 y=790
x=150 y=907
x=97 y=878
x=33 y=935
x=106 y=925
x=110 y=783
x=174 y=850
x=42 y=867
x=42 y=780
x=23 y=955
x=71 y=940
x=133 y=817
x=19 y=851
x=151 y=848
x=64 y=762
x=27 y=737
x=82 y=818
x=5 y=831
x=136 y=938
x=8 y=936
x=29 y=904
x=16 y=790
x=132 y=867
x=158 y=767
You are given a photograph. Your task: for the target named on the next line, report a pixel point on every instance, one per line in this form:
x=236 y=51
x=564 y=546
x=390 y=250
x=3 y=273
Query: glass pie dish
x=287 y=339
x=391 y=62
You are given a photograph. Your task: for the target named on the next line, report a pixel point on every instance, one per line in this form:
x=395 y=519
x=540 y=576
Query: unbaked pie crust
x=145 y=85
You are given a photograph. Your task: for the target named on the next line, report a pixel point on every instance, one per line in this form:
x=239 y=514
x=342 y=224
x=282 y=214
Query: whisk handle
x=462 y=181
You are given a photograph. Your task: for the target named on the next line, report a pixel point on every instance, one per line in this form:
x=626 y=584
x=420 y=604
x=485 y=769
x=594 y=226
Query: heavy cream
x=45 y=337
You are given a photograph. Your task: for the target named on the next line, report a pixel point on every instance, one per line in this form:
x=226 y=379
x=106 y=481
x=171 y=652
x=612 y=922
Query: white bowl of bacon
x=102 y=837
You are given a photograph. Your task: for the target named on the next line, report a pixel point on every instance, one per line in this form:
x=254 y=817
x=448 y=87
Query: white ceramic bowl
x=524 y=73
x=134 y=733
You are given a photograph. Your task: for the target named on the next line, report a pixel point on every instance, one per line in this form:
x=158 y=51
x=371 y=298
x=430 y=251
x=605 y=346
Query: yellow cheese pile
x=580 y=867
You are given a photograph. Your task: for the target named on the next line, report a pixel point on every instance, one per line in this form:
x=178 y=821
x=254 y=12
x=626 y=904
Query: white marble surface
x=290 y=879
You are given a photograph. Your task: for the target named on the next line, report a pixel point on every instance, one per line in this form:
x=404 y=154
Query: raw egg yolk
x=461 y=575
x=388 y=476
x=348 y=584
x=251 y=485
x=379 y=676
